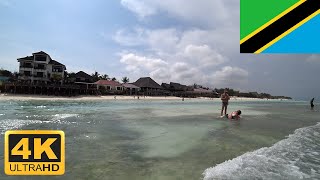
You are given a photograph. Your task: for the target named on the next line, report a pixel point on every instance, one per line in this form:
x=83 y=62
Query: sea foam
x=296 y=157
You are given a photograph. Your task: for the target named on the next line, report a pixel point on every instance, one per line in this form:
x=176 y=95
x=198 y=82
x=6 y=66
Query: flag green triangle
x=255 y=13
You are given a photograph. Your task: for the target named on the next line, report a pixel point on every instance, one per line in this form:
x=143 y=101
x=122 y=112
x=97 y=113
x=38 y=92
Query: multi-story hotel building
x=40 y=68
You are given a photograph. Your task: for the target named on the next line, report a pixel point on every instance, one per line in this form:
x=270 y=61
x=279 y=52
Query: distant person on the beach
x=311 y=103
x=234 y=115
x=225 y=100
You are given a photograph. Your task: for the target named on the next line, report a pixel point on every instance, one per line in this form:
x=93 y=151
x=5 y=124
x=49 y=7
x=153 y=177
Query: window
x=27 y=73
x=28 y=65
x=41 y=58
x=118 y=88
x=40 y=66
x=108 y=87
x=39 y=74
x=56 y=69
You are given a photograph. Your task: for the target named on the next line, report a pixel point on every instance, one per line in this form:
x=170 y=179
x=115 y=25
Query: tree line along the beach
x=8 y=76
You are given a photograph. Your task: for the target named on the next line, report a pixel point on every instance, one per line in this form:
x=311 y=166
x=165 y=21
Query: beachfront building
x=130 y=89
x=109 y=87
x=176 y=89
x=40 y=68
x=149 y=87
x=84 y=81
x=203 y=92
x=82 y=77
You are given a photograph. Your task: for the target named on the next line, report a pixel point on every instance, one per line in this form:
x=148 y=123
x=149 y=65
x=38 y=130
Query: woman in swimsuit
x=234 y=115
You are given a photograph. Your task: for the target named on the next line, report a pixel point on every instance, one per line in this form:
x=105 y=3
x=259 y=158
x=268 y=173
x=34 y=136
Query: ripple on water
x=8 y=124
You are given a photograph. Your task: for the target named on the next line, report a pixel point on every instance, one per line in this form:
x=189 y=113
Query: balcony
x=39 y=76
x=26 y=68
x=40 y=68
x=27 y=75
x=36 y=77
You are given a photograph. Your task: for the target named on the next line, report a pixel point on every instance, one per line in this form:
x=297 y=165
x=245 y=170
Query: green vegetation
x=125 y=80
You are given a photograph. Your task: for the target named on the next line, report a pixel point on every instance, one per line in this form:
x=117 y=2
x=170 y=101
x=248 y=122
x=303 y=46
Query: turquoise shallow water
x=166 y=140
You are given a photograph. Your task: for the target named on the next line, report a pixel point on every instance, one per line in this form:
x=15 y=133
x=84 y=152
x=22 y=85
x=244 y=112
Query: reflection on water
x=153 y=139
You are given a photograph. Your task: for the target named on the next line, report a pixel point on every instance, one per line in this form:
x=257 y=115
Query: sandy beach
x=89 y=98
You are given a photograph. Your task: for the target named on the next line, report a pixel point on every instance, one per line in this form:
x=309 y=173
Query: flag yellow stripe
x=272 y=21
x=288 y=32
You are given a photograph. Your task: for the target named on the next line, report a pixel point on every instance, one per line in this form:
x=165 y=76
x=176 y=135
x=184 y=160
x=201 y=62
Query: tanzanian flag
x=280 y=26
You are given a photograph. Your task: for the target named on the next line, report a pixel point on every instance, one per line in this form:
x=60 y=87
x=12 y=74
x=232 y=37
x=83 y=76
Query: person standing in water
x=311 y=103
x=225 y=100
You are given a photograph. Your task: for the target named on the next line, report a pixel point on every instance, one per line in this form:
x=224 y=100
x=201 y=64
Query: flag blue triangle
x=305 y=39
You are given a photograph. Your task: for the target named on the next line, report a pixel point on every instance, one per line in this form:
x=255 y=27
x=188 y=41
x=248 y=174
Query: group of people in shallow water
x=225 y=101
x=236 y=114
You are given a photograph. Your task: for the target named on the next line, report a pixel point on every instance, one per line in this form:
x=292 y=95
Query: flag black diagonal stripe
x=280 y=26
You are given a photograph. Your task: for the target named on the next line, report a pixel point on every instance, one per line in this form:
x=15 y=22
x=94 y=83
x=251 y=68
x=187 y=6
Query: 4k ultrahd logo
x=34 y=152
x=280 y=26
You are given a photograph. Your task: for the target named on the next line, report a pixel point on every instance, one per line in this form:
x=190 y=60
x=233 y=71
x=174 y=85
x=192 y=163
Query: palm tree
x=125 y=79
x=95 y=76
x=113 y=79
x=104 y=77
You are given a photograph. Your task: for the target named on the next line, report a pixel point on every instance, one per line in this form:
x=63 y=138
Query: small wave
x=296 y=157
x=64 y=116
x=58 y=117
x=2 y=114
x=40 y=107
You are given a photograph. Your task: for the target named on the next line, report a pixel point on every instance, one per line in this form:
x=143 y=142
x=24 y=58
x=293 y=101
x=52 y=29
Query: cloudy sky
x=194 y=41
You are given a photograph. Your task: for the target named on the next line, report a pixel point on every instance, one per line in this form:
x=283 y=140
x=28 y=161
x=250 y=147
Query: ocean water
x=172 y=139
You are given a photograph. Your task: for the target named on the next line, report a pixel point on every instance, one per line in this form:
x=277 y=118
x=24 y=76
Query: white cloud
x=163 y=40
x=201 y=12
x=193 y=54
x=161 y=74
x=230 y=77
x=182 y=72
x=169 y=43
x=141 y=8
x=135 y=62
x=205 y=56
x=159 y=40
x=126 y=38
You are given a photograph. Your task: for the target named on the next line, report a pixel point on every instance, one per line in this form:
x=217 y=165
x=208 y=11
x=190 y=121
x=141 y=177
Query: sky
x=194 y=41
